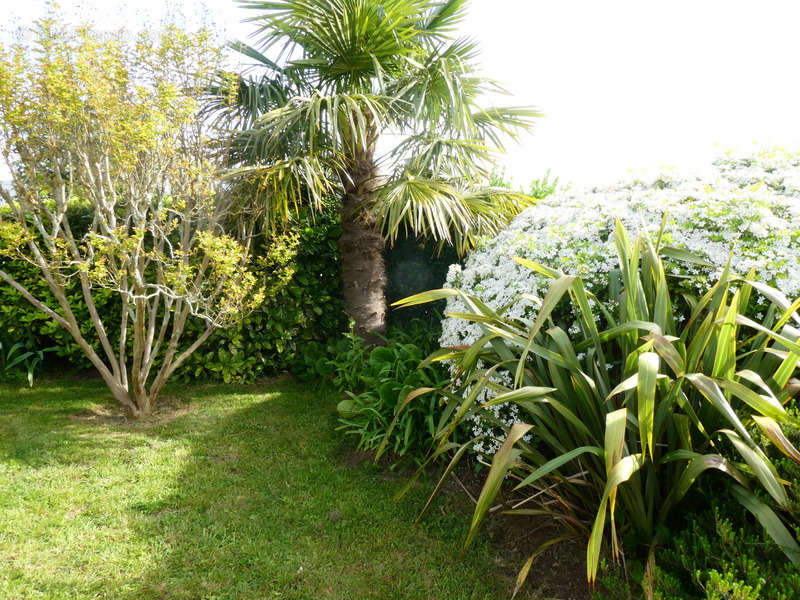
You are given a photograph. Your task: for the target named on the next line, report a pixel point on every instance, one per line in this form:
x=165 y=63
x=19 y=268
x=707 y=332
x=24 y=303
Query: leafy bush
x=303 y=304
x=627 y=418
x=754 y=202
x=299 y=270
x=22 y=323
x=725 y=560
x=377 y=381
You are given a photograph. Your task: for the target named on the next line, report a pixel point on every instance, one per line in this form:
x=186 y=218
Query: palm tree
x=374 y=103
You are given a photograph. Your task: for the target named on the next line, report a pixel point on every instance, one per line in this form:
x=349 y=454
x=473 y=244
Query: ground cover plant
x=386 y=375
x=115 y=124
x=616 y=424
x=226 y=492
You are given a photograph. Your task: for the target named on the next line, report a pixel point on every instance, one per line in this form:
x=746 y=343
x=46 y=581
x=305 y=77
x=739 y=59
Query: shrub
x=725 y=557
x=377 y=381
x=626 y=418
x=117 y=124
x=752 y=202
x=22 y=323
x=299 y=270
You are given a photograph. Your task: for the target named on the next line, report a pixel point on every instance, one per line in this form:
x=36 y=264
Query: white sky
x=625 y=84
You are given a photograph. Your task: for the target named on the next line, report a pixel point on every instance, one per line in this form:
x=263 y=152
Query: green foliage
x=538 y=188
x=299 y=270
x=389 y=374
x=543 y=186
x=21 y=322
x=626 y=419
x=20 y=358
x=113 y=121
x=723 y=554
x=377 y=381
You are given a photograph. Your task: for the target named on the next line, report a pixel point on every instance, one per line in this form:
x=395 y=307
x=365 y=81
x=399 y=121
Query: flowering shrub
x=751 y=204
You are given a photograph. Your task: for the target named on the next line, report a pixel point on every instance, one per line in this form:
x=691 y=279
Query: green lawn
x=247 y=493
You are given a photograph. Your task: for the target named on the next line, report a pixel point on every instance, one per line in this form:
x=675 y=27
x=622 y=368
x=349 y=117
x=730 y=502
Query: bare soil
x=558 y=573
x=109 y=415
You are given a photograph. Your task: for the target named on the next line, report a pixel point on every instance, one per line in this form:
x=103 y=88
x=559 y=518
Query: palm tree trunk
x=361 y=248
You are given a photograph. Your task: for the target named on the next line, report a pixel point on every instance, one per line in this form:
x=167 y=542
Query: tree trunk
x=361 y=248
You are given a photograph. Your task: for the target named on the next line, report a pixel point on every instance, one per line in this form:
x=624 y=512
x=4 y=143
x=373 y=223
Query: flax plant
x=620 y=421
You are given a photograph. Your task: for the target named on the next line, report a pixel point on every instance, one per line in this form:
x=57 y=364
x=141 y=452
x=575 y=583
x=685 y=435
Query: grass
x=248 y=492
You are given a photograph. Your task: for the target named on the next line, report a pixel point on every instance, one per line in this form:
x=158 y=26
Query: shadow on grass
x=268 y=505
x=252 y=494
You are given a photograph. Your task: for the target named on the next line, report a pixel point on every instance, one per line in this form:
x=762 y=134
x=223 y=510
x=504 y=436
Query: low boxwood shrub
x=722 y=555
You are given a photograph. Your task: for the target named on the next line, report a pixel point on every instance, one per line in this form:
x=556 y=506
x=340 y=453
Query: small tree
x=114 y=123
x=376 y=104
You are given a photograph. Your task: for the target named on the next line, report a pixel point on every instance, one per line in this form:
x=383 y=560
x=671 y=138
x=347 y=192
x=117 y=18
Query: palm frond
x=443 y=211
x=445 y=16
x=236 y=102
x=279 y=189
x=339 y=40
x=314 y=124
x=496 y=123
x=444 y=157
x=440 y=88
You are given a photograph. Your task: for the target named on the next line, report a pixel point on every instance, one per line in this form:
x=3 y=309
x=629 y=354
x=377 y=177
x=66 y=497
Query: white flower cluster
x=751 y=204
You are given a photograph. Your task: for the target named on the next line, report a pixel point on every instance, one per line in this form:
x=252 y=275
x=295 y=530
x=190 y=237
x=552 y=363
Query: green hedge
x=20 y=322
x=302 y=278
x=299 y=270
